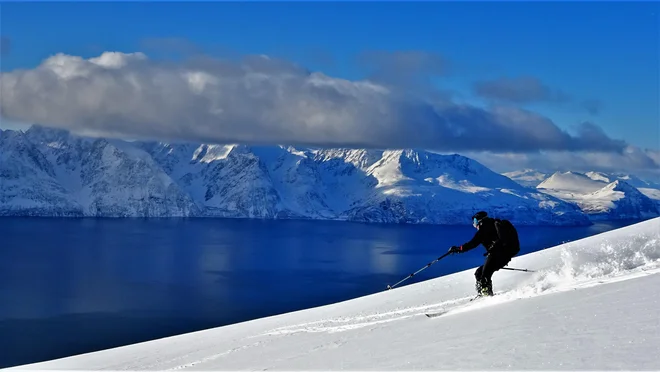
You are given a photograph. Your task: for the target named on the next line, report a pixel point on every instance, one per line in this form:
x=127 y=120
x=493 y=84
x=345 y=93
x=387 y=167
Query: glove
x=455 y=249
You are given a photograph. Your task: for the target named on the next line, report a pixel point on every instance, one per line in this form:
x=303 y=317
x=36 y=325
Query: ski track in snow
x=214 y=357
x=451 y=307
x=360 y=321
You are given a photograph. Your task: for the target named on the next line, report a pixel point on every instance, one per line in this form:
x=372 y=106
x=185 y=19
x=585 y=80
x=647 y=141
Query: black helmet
x=480 y=215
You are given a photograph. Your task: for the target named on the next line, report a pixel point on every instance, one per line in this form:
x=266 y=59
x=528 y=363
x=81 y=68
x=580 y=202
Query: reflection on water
x=69 y=286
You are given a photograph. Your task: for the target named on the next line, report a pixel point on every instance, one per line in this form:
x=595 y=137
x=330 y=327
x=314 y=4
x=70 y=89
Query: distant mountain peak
x=620 y=185
x=571 y=181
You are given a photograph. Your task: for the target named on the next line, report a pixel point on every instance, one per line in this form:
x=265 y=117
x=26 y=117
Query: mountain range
x=604 y=196
x=49 y=172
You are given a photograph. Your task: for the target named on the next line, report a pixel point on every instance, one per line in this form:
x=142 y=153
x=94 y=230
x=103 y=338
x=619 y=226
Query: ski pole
x=511 y=268
x=413 y=274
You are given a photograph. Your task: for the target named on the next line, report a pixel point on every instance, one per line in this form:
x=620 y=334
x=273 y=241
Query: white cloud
x=116 y=59
x=259 y=99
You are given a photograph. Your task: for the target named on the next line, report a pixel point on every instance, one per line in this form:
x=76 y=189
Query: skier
x=500 y=239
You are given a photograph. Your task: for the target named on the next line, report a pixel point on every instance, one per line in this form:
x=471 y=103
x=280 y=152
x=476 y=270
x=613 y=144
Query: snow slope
x=112 y=178
x=600 y=197
x=591 y=304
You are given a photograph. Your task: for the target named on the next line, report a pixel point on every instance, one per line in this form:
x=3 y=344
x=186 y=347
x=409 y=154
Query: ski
x=433 y=315
x=443 y=312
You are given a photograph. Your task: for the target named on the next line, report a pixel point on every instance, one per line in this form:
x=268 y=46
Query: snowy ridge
x=590 y=304
x=600 y=197
x=621 y=200
x=113 y=178
x=650 y=189
x=572 y=182
x=627 y=178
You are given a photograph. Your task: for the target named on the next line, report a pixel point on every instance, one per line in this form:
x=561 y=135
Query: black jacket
x=487 y=236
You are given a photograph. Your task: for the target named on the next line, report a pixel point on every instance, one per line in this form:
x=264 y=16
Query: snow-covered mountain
x=392 y=186
x=527 y=177
x=28 y=181
x=417 y=185
x=101 y=177
x=572 y=182
x=532 y=178
x=58 y=174
x=649 y=188
x=589 y=304
x=632 y=180
x=600 y=195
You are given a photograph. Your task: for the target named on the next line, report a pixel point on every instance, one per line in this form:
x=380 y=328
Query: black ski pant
x=494 y=261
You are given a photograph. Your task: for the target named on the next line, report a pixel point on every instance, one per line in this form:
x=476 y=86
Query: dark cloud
x=263 y=100
x=5 y=46
x=520 y=90
x=592 y=136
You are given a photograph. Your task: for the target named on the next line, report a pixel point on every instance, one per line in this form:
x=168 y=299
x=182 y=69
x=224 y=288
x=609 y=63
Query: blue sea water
x=70 y=286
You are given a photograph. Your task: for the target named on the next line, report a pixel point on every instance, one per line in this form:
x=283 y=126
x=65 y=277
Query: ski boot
x=484 y=288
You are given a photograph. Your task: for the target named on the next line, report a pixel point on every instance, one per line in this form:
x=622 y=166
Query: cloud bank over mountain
x=262 y=100
x=265 y=100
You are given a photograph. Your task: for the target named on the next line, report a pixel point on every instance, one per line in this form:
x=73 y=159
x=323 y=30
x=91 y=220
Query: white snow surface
x=603 y=196
x=113 y=178
x=591 y=304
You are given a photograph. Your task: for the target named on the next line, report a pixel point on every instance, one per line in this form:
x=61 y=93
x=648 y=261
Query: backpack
x=508 y=235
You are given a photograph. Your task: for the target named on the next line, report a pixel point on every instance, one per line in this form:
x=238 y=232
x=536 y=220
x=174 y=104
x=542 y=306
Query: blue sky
x=592 y=51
